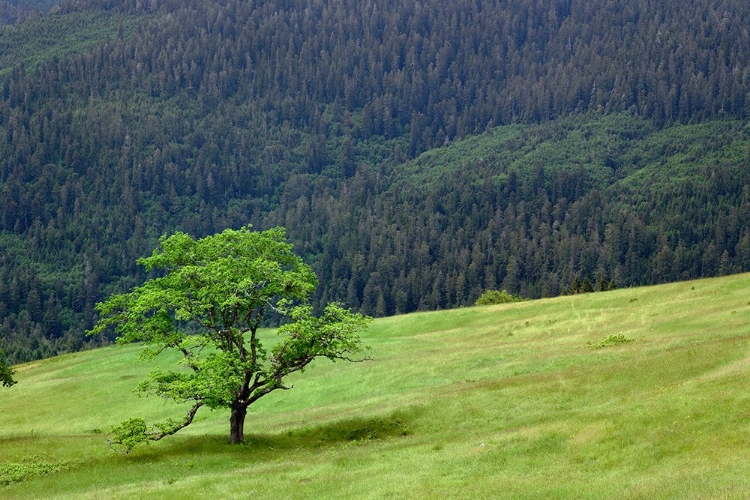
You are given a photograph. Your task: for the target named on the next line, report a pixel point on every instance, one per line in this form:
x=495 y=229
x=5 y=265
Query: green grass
x=506 y=401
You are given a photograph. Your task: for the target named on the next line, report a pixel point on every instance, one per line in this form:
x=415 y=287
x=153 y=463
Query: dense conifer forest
x=418 y=153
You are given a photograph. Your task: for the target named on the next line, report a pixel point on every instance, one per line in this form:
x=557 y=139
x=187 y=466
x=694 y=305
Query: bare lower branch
x=352 y=360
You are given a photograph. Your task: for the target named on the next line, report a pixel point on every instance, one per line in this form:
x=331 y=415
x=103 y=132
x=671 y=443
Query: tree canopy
x=208 y=303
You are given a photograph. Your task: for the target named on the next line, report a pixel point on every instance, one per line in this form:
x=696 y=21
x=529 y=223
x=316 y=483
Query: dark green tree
x=6 y=372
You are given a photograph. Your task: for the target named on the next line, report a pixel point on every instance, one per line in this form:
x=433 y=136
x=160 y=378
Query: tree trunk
x=237 y=424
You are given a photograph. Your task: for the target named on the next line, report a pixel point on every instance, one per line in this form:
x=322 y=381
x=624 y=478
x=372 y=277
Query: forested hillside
x=417 y=152
x=14 y=11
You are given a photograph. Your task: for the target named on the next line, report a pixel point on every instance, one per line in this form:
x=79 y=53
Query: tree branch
x=134 y=431
x=169 y=427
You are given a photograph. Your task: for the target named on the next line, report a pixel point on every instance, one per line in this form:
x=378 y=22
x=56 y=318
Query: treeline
x=129 y=119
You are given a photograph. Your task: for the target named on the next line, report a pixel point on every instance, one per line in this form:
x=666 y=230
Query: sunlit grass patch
x=505 y=401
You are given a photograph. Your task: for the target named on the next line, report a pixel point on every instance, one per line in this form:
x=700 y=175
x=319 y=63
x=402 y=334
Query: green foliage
x=208 y=303
x=491 y=297
x=6 y=372
x=333 y=335
x=587 y=286
x=16 y=472
x=134 y=431
x=128 y=434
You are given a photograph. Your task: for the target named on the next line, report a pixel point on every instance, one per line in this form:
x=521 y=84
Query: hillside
x=633 y=393
x=417 y=153
x=16 y=11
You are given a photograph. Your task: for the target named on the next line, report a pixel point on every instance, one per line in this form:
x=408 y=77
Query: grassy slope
x=494 y=402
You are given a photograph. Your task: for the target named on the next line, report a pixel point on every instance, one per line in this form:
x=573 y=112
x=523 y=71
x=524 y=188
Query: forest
x=418 y=153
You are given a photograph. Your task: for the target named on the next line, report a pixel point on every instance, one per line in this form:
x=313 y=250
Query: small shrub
x=491 y=297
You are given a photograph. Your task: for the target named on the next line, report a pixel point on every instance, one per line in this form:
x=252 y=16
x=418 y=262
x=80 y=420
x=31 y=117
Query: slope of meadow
x=633 y=393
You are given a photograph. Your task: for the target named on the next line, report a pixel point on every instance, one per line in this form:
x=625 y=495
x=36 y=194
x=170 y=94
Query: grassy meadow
x=634 y=393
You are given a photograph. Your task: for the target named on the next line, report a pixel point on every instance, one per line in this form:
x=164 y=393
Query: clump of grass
x=612 y=340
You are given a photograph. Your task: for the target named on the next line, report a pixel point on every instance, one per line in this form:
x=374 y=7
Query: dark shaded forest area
x=605 y=139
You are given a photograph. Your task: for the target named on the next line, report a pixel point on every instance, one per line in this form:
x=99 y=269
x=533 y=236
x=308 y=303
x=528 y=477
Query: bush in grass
x=491 y=297
x=20 y=471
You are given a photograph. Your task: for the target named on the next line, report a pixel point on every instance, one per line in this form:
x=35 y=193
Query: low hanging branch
x=134 y=431
x=218 y=288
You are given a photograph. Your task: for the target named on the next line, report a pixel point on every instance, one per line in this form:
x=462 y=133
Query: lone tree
x=6 y=372
x=208 y=303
